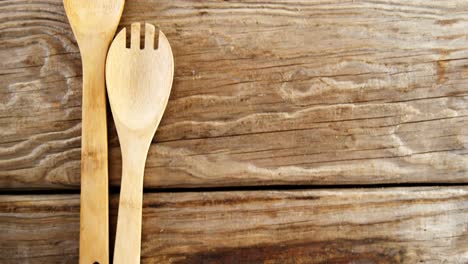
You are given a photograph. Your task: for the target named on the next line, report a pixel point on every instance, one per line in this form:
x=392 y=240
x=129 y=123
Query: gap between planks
x=116 y=189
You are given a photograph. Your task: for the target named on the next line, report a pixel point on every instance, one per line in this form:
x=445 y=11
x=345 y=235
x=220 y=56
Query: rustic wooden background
x=359 y=102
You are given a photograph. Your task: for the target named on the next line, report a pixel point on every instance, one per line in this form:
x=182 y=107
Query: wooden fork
x=138 y=84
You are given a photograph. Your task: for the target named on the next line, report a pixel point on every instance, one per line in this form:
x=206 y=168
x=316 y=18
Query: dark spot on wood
x=32 y=208
x=377 y=250
x=306 y=198
x=451 y=37
x=441 y=70
x=232 y=201
x=445 y=22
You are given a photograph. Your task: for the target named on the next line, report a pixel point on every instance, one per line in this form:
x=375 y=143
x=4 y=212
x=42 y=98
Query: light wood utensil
x=138 y=84
x=94 y=23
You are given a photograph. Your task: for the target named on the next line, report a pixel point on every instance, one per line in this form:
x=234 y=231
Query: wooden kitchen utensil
x=94 y=23
x=138 y=84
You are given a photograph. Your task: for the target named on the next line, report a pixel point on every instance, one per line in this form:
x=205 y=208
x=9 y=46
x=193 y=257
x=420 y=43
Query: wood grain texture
x=277 y=92
x=392 y=225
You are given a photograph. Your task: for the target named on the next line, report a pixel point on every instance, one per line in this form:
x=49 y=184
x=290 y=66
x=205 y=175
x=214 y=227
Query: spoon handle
x=94 y=227
x=128 y=235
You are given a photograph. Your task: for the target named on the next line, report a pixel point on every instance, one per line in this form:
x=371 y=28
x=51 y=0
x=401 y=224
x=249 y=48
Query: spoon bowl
x=139 y=80
x=94 y=21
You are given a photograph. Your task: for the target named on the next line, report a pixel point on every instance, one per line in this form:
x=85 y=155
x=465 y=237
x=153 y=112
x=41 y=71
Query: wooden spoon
x=138 y=84
x=94 y=23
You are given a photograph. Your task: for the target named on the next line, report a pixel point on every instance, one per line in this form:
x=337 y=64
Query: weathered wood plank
x=278 y=92
x=392 y=225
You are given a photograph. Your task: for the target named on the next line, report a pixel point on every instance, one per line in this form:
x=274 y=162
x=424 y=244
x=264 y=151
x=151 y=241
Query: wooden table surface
x=301 y=131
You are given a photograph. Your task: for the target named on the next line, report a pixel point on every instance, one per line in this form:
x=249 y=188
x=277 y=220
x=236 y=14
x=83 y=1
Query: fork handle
x=94 y=227
x=128 y=235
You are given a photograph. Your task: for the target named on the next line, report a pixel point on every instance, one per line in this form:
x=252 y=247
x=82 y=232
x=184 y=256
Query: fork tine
x=135 y=36
x=163 y=43
x=149 y=36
